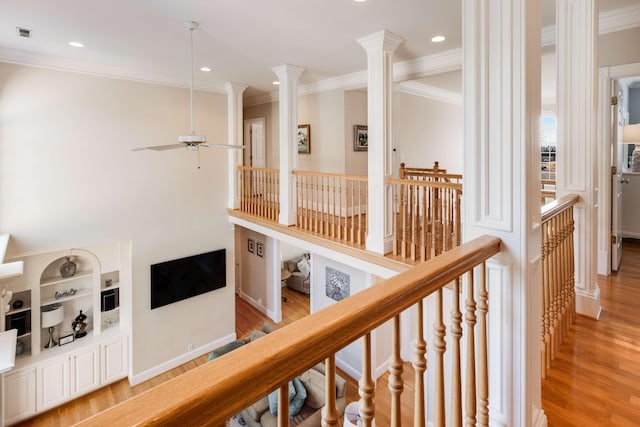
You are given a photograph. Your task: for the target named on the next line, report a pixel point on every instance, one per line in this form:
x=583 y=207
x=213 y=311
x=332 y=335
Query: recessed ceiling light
x=276 y=83
x=206 y=69
x=76 y=44
x=359 y=1
x=438 y=39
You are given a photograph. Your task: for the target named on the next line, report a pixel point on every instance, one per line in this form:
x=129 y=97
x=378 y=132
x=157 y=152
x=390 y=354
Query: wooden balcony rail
x=214 y=392
x=548 y=191
x=426 y=217
x=558 y=276
x=260 y=191
x=436 y=173
x=332 y=205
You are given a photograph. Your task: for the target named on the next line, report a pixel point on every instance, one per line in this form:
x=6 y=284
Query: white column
x=379 y=47
x=288 y=106
x=501 y=71
x=234 y=133
x=576 y=159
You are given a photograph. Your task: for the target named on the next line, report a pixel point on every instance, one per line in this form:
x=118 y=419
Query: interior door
x=254 y=137
x=617 y=121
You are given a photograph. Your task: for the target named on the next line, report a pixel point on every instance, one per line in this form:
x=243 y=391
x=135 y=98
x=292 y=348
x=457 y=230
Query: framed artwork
x=260 y=249
x=66 y=338
x=337 y=285
x=304 y=139
x=251 y=245
x=360 y=138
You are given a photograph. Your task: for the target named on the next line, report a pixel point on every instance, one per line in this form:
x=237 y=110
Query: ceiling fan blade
x=160 y=147
x=228 y=146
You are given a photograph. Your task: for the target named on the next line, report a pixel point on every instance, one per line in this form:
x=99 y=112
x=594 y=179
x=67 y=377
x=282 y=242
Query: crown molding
x=450 y=60
x=41 y=60
x=608 y=22
x=430 y=92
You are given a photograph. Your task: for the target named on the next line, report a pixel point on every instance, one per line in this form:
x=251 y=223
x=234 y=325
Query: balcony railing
x=425 y=207
x=332 y=205
x=427 y=215
x=260 y=191
x=214 y=392
x=558 y=276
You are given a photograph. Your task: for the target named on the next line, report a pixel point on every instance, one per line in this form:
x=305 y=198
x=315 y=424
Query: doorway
x=254 y=138
x=612 y=155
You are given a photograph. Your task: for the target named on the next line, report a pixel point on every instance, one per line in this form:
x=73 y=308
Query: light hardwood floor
x=595 y=378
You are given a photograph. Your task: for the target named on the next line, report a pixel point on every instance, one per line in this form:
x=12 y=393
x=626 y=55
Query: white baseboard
x=588 y=303
x=348 y=369
x=179 y=360
x=382 y=369
x=631 y=234
x=261 y=308
x=539 y=419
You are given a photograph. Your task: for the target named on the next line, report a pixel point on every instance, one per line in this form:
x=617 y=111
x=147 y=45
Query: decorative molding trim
x=430 y=92
x=39 y=60
x=179 y=360
x=619 y=19
x=450 y=60
x=608 y=22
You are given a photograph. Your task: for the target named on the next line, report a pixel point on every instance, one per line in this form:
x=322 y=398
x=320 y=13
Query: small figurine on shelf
x=79 y=325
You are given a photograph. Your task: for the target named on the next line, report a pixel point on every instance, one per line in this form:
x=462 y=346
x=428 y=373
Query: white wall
x=69 y=179
x=253 y=283
x=619 y=48
x=425 y=131
x=355 y=113
x=324 y=111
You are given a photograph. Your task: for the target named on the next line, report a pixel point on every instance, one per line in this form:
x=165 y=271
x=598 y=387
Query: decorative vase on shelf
x=79 y=325
x=68 y=268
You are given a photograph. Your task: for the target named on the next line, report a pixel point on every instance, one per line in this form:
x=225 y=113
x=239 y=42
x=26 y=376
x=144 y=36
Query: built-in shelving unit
x=46 y=377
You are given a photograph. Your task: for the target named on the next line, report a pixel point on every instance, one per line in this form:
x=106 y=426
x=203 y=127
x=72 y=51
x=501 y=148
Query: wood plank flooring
x=595 y=378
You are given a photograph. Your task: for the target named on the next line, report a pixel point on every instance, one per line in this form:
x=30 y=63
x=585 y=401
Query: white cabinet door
x=20 y=395
x=53 y=383
x=85 y=371
x=114 y=360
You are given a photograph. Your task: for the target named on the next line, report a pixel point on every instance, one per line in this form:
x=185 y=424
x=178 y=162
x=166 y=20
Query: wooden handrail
x=333 y=175
x=554 y=207
x=437 y=184
x=214 y=392
x=253 y=168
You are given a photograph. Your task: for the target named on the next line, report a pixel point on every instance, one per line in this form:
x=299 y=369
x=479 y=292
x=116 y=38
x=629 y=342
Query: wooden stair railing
x=558 y=276
x=332 y=205
x=426 y=217
x=214 y=392
x=260 y=191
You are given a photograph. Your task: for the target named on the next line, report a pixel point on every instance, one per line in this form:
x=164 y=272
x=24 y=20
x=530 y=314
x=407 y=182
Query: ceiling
x=241 y=40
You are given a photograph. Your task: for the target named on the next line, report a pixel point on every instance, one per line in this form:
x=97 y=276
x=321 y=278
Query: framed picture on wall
x=260 y=249
x=251 y=245
x=360 y=138
x=304 y=139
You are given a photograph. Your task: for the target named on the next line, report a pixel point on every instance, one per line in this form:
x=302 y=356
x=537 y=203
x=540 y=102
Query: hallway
x=595 y=378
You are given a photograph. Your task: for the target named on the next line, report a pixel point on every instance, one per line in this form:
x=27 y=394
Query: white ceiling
x=241 y=40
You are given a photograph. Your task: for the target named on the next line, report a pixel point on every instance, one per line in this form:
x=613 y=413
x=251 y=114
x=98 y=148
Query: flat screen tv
x=183 y=278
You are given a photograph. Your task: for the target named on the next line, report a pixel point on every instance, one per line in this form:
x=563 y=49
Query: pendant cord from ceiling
x=193 y=132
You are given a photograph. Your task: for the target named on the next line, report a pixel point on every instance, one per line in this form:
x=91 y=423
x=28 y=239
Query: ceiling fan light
x=192 y=139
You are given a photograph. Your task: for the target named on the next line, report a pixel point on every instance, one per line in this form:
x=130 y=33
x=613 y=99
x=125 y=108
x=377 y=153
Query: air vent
x=24 y=32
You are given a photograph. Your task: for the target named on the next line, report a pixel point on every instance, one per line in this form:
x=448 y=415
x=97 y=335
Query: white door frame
x=605 y=77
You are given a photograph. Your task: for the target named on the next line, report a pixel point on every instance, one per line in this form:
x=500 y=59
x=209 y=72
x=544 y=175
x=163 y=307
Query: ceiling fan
x=193 y=141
